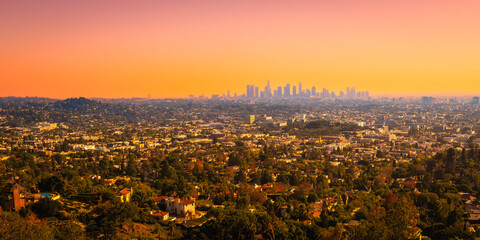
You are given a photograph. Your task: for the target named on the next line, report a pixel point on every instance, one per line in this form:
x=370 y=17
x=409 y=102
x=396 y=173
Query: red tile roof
x=186 y=201
x=158 y=199
x=160 y=214
x=125 y=191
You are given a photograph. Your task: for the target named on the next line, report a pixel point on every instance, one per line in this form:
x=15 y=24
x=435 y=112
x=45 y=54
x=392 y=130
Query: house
x=178 y=206
x=125 y=195
x=316 y=214
x=161 y=215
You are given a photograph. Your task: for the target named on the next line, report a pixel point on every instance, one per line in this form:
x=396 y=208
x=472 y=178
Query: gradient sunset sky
x=95 y=48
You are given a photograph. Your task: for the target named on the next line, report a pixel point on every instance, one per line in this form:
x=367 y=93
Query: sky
x=122 y=49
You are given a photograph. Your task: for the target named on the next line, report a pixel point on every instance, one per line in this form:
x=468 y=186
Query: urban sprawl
x=282 y=164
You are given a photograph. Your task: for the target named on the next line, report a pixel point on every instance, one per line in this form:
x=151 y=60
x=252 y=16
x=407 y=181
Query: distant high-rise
x=257 y=94
x=294 y=91
x=428 y=100
x=279 y=92
x=325 y=93
x=475 y=100
x=307 y=92
x=286 y=90
x=314 y=91
x=262 y=94
x=350 y=93
x=250 y=91
x=268 y=90
x=300 y=91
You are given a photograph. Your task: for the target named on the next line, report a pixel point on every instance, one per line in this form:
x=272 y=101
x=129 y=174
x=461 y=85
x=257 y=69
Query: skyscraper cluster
x=298 y=91
x=252 y=91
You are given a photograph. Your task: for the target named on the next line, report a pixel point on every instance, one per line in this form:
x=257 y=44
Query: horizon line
x=372 y=96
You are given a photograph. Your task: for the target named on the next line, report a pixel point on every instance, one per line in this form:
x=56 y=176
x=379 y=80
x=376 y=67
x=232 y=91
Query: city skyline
x=173 y=49
x=288 y=90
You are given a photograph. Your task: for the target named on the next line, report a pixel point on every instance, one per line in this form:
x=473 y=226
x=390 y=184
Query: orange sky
x=61 y=49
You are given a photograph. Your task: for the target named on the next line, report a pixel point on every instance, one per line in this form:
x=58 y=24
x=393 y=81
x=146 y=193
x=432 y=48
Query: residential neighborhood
x=119 y=169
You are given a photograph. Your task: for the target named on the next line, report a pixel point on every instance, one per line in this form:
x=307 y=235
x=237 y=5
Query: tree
x=53 y=183
x=143 y=195
x=241 y=176
x=106 y=218
x=390 y=199
x=402 y=217
x=59 y=159
x=235 y=160
x=374 y=227
x=131 y=168
x=243 y=201
x=68 y=230
x=450 y=161
x=166 y=172
x=14 y=227
x=231 y=224
x=46 y=207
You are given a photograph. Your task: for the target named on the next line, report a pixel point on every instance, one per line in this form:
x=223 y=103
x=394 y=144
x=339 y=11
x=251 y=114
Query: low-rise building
x=125 y=195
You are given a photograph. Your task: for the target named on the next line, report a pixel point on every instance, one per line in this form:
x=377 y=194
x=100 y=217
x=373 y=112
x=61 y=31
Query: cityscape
x=245 y=120
x=288 y=91
x=184 y=168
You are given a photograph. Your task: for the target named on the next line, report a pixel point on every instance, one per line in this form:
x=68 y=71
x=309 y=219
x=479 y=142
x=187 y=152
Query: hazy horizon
x=412 y=96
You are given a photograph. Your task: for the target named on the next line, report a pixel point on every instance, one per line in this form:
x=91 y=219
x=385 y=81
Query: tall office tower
x=347 y=92
x=367 y=94
x=307 y=93
x=314 y=91
x=257 y=94
x=353 y=92
x=228 y=93
x=475 y=100
x=279 y=92
x=268 y=90
x=294 y=91
x=334 y=96
x=250 y=91
x=300 y=91
x=341 y=94
x=286 y=90
x=325 y=93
